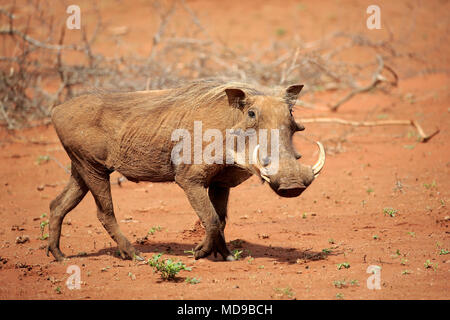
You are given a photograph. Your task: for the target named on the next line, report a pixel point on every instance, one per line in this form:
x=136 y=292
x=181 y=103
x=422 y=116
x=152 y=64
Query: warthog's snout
x=290 y=191
x=292 y=177
x=293 y=182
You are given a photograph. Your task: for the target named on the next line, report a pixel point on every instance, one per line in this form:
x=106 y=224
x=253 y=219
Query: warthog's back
x=123 y=132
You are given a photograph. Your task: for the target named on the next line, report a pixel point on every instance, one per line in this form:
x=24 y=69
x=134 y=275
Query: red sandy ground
x=282 y=239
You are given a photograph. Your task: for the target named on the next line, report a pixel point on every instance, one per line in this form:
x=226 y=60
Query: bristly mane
x=194 y=94
x=206 y=92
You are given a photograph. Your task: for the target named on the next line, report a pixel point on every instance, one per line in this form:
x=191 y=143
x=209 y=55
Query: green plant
x=58 y=290
x=285 y=291
x=390 y=211
x=280 y=32
x=354 y=282
x=412 y=234
x=192 y=280
x=345 y=265
x=339 y=295
x=304 y=215
x=369 y=190
x=42 y=226
x=236 y=254
x=431 y=185
x=168 y=268
x=326 y=251
x=340 y=284
x=405 y=272
x=343 y=283
x=42 y=159
x=192 y=252
x=403 y=261
x=375 y=237
x=154 y=229
x=331 y=241
x=428 y=264
x=443 y=251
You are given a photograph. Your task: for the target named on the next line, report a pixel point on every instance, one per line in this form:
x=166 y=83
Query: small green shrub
x=168 y=268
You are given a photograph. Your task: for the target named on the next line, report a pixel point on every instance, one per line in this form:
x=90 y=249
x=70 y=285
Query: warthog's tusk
x=321 y=162
x=258 y=164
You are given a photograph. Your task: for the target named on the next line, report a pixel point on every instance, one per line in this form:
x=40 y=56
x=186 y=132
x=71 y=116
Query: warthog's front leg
x=212 y=219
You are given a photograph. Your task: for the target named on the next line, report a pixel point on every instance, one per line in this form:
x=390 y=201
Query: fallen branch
x=423 y=137
x=377 y=78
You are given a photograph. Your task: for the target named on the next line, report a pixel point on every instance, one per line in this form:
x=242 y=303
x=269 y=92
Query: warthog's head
x=275 y=160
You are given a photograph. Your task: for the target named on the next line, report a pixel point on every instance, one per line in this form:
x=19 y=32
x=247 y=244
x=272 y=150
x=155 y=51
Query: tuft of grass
x=428 y=264
x=168 y=268
x=192 y=280
x=431 y=185
x=237 y=254
x=42 y=226
x=344 y=284
x=339 y=295
x=443 y=252
x=369 y=190
x=58 y=290
x=405 y=272
x=280 y=32
x=390 y=212
x=285 y=292
x=153 y=230
x=191 y=252
x=42 y=159
x=344 y=265
x=412 y=234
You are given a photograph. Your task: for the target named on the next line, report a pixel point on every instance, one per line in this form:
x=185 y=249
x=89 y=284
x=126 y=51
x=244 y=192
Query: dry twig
x=423 y=136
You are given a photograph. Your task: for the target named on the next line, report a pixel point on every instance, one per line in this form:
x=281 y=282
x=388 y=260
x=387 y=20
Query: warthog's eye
x=251 y=113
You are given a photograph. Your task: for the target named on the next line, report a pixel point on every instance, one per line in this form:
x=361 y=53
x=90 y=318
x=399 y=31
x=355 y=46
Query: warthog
x=132 y=133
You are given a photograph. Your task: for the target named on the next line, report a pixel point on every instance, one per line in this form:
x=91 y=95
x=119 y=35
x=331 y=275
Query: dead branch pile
x=34 y=74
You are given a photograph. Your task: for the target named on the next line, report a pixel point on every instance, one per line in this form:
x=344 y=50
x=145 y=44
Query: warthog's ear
x=292 y=94
x=236 y=97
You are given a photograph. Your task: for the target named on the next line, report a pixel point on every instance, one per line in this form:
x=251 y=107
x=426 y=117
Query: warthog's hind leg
x=68 y=199
x=98 y=183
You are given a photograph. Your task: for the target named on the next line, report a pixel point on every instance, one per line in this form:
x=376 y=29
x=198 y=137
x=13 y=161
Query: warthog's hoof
x=130 y=253
x=204 y=249
x=56 y=253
